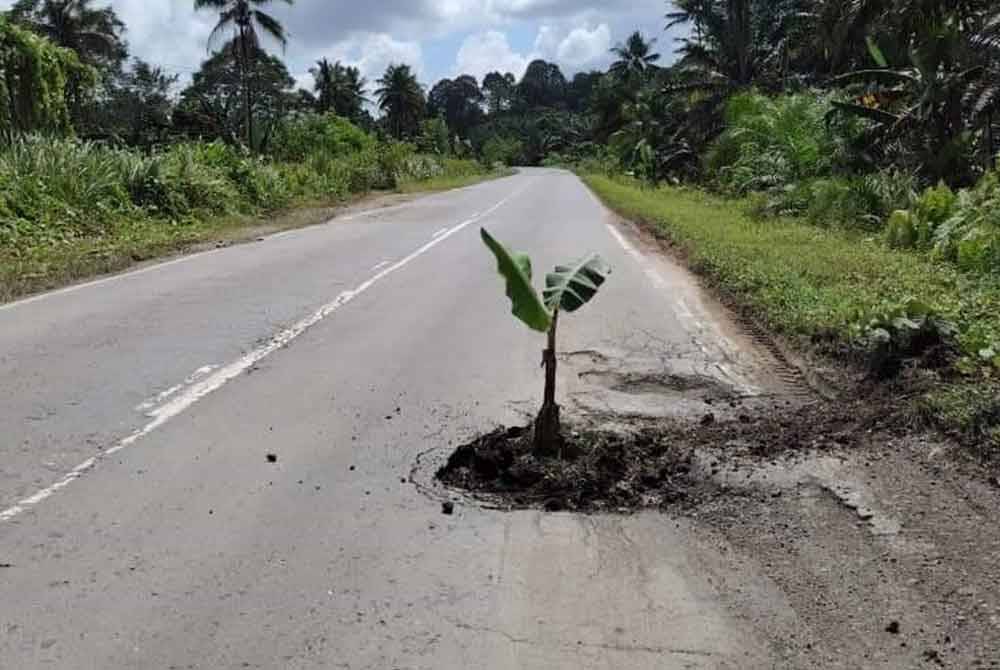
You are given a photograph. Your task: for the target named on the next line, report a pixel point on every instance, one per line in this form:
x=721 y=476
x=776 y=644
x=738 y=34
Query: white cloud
x=547 y=41
x=584 y=46
x=371 y=33
x=372 y=53
x=489 y=52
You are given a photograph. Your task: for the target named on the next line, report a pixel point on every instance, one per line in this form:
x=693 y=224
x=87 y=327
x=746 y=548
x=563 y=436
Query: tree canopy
x=34 y=82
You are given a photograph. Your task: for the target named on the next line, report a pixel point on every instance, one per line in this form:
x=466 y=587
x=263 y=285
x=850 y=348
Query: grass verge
x=49 y=266
x=819 y=286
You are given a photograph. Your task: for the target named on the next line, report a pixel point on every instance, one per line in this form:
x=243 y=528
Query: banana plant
x=567 y=289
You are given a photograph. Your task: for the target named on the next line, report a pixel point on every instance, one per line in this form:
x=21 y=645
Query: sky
x=438 y=38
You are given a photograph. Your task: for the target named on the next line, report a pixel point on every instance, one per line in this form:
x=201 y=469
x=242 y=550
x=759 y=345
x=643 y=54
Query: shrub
x=503 y=150
x=434 y=137
x=856 y=202
x=59 y=189
x=962 y=227
x=772 y=143
x=54 y=190
x=307 y=135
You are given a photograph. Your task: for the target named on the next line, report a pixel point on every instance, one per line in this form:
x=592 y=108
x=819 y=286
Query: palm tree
x=739 y=43
x=246 y=23
x=349 y=92
x=401 y=97
x=323 y=84
x=939 y=92
x=636 y=59
x=339 y=89
x=94 y=34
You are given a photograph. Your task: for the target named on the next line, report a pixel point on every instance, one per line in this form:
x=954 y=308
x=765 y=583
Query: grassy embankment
x=820 y=286
x=71 y=210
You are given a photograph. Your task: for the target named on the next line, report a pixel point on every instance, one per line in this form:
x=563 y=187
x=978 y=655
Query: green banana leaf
x=571 y=287
x=516 y=270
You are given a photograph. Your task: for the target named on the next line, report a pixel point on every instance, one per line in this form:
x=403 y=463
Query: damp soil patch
x=609 y=465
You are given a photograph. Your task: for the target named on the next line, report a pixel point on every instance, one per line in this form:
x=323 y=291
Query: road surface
x=143 y=526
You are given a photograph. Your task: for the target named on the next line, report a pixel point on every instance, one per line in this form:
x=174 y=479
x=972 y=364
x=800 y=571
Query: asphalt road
x=142 y=526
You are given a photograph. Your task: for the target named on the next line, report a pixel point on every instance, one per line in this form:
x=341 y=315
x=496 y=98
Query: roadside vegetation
x=830 y=163
x=843 y=293
x=102 y=166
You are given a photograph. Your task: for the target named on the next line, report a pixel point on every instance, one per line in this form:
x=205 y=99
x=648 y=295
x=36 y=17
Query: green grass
x=51 y=264
x=816 y=285
x=42 y=267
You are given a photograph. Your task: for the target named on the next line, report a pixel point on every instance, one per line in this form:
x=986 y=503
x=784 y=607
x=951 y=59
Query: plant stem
x=548 y=433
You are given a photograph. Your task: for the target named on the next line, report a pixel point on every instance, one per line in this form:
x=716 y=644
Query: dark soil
x=609 y=466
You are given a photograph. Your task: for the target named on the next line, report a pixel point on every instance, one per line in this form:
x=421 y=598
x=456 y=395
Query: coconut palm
x=323 y=84
x=339 y=89
x=636 y=59
x=246 y=23
x=402 y=100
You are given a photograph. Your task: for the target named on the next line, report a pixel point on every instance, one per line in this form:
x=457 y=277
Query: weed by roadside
x=71 y=210
x=824 y=287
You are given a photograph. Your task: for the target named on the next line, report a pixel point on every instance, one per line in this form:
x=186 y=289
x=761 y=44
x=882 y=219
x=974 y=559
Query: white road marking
x=158 y=398
x=161 y=397
x=695 y=326
x=105 y=280
x=182 y=401
x=439 y=233
x=379 y=266
x=654 y=276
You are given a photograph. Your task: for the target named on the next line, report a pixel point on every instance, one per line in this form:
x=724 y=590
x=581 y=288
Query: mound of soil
x=607 y=466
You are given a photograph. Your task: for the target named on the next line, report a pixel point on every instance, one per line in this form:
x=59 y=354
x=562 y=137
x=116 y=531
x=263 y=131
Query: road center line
x=182 y=401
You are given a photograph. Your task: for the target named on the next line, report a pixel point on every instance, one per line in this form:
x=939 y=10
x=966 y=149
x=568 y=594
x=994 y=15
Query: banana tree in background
x=567 y=289
x=924 y=106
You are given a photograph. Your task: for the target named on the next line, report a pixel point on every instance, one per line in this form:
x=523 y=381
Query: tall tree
x=636 y=60
x=401 y=99
x=33 y=79
x=136 y=106
x=211 y=106
x=459 y=101
x=543 y=85
x=95 y=34
x=339 y=89
x=498 y=90
x=736 y=43
x=246 y=23
x=579 y=95
x=324 y=80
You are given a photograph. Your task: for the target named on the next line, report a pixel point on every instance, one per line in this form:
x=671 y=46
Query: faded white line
x=379 y=266
x=106 y=280
x=694 y=325
x=161 y=397
x=654 y=276
x=439 y=233
x=195 y=392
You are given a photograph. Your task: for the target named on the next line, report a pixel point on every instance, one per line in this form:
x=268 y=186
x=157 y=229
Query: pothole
x=610 y=464
x=636 y=383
